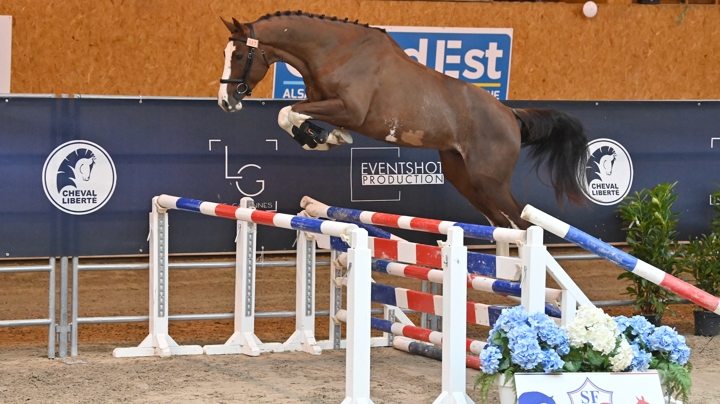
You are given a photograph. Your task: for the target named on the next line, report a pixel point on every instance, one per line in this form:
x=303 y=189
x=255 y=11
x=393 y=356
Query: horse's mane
x=319 y=16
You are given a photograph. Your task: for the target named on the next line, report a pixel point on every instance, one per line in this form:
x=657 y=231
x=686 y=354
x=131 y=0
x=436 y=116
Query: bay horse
x=358 y=78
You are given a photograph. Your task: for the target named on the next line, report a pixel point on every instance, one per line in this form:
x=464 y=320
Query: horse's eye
x=238 y=58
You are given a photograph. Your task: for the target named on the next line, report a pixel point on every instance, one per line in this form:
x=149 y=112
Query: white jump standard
x=158 y=342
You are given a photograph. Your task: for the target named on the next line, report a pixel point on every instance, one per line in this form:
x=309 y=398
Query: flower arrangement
x=592 y=342
x=521 y=342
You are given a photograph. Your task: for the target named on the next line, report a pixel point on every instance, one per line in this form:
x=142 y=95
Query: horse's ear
x=229 y=25
x=241 y=28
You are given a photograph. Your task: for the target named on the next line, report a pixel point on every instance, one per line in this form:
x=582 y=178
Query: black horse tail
x=558 y=139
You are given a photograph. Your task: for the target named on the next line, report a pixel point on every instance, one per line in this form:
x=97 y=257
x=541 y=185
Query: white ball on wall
x=590 y=9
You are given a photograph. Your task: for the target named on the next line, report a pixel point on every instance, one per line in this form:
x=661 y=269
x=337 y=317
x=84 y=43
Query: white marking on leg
x=284 y=121
x=514 y=226
x=297 y=118
x=490 y=221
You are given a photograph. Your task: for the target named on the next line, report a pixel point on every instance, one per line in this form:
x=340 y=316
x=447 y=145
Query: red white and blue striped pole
x=410 y=331
x=477 y=313
x=421 y=254
x=622 y=259
x=257 y=216
x=431 y=351
x=475 y=282
x=319 y=209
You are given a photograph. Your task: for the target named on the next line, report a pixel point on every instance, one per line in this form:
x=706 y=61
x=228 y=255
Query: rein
x=243 y=88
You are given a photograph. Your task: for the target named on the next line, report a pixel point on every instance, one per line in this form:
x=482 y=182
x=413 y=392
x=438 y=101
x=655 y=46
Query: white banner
x=589 y=388
x=5 y=46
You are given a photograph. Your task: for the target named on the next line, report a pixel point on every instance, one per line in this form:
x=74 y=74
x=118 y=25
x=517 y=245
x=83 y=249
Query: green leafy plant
x=701 y=256
x=652 y=238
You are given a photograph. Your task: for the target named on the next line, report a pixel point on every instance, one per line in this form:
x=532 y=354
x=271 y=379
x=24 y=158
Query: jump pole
x=476 y=282
x=508 y=268
x=158 y=342
x=622 y=259
x=489 y=233
x=417 y=333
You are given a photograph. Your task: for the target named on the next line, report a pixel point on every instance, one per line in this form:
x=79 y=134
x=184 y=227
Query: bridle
x=243 y=88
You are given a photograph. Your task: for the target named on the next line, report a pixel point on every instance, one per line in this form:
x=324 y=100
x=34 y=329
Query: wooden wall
x=174 y=47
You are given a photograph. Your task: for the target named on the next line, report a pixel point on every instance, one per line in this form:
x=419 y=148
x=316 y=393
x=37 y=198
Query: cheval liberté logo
x=377 y=170
x=79 y=177
x=609 y=172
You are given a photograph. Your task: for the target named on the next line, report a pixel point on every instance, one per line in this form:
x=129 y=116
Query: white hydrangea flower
x=592 y=326
x=577 y=334
x=602 y=339
x=623 y=357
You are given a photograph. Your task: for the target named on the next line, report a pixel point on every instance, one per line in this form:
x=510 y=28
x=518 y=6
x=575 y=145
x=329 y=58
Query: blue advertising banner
x=480 y=56
x=78 y=175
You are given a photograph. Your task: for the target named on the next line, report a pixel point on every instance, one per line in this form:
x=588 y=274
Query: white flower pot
x=506 y=391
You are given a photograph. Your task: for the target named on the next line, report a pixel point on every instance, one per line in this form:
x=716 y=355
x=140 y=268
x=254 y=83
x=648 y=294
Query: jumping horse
x=357 y=78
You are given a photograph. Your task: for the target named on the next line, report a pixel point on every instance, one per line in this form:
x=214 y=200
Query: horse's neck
x=304 y=43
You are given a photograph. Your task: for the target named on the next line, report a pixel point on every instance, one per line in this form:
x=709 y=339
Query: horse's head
x=240 y=73
x=82 y=169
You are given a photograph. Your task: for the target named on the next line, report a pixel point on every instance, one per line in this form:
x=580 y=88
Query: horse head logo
x=603 y=160
x=641 y=400
x=535 y=397
x=76 y=169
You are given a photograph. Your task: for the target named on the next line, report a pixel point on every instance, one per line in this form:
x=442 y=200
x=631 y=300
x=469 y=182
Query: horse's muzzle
x=228 y=107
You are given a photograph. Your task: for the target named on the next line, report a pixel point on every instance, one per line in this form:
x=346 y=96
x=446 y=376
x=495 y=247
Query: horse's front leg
x=295 y=120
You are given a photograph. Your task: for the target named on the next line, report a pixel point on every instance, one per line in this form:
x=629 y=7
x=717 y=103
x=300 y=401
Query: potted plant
x=650 y=227
x=592 y=342
x=701 y=259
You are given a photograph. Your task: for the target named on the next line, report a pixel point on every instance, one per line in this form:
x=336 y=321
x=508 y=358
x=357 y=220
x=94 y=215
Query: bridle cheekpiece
x=243 y=88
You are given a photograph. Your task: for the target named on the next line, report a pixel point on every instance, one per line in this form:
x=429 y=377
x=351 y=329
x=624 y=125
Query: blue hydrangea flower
x=549 y=332
x=641 y=359
x=623 y=323
x=490 y=358
x=641 y=327
x=638 y=325
x=524 y=347
x=681 y=353
x=663 y=339
x=510 y=317
x=667 y=340
x=551 y=361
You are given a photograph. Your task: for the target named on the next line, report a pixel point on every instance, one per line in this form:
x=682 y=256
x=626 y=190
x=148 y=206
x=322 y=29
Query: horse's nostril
x=225 y=104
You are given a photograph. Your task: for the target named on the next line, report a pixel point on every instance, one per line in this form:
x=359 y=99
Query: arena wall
x=173 y=48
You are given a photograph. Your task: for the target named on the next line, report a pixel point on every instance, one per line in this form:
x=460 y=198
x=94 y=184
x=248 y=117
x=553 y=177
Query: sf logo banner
x=480 y=56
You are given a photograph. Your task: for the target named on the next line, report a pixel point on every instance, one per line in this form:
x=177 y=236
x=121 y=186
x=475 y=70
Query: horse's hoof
x=340 y=136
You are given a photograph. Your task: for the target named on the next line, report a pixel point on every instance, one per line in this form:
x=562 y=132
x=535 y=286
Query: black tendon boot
x=303 y=138
x=318 y=134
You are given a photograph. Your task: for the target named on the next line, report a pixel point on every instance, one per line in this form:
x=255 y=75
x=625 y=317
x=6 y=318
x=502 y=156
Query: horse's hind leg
x=476 y=193
x=492 y=171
